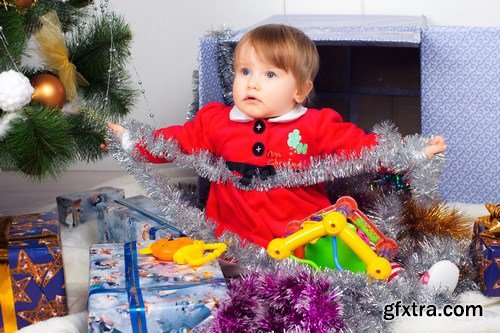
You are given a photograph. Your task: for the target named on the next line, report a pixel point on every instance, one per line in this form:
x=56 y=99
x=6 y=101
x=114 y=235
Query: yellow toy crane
x=333 y=221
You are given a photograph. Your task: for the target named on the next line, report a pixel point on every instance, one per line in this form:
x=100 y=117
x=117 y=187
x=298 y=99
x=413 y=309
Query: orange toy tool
x=199 y=253
x=164 y=249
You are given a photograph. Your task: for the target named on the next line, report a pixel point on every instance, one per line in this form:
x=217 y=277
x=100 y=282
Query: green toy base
x=322 y=253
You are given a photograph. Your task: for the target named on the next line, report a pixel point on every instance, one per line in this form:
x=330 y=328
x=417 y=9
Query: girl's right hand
x=118 y=130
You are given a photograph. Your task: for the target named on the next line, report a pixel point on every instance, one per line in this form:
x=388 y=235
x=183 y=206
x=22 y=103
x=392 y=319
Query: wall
x=166 y=36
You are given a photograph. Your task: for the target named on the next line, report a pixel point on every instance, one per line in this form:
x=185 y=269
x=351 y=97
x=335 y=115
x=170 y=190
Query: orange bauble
x=49 y=90
x=22 y=3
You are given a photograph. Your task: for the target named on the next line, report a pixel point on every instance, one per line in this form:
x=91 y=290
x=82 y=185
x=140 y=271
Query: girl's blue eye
x=245 y=71
x=270 y=75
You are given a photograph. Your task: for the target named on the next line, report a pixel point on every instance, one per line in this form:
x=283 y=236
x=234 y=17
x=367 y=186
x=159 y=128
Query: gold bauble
x=49 y=90
x=21 y=4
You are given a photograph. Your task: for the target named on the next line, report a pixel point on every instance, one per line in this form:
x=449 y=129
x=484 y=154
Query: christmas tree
x=53 y=113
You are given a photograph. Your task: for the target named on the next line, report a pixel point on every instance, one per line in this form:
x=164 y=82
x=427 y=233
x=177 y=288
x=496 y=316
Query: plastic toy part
x=194 y=254
x=376 y=267
x=332 y=221
x=384 y=245
x=164 y=249
x=332 y=252
x=306 y=262
x=281 y=248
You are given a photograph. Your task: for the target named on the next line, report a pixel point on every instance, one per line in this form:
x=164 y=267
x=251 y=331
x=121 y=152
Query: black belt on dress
x=249 y=170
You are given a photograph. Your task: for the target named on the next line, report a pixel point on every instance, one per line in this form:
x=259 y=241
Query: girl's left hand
x=435 y=146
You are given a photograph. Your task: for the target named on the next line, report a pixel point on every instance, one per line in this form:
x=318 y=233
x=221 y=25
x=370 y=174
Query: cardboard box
x=448 y=74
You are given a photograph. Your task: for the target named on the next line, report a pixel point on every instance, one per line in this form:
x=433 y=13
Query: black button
x=258 y=149
x=259 y=126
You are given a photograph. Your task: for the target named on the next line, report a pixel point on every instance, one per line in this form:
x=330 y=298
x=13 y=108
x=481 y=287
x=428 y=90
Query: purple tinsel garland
x=281 y=302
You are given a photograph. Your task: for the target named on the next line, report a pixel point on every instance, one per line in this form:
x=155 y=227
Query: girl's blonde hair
x=287 y=48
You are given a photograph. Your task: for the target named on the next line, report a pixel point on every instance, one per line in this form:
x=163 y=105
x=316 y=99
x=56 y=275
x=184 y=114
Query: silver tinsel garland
x=195 y=104
x=363 y=300
x=225 y=50
x=387 y=214
x=392 y=152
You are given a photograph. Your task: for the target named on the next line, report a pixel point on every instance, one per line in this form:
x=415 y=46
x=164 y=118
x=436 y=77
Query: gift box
x=133 y=219
x=130 y=292
x=402 y=69
x=77 y=208
x=32 y=285
x=486 y=250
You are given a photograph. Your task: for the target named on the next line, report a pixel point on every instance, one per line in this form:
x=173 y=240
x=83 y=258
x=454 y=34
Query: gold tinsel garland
x=435 y=220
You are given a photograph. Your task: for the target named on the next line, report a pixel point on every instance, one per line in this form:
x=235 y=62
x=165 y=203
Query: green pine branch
x=88 y=130
x=43 y=142
x=13 y=27
x=39 y=143
x=30 y=71
x=68 y=15
x=119 y=93
x=6 y=162
x=90 y=48
x=94 y=52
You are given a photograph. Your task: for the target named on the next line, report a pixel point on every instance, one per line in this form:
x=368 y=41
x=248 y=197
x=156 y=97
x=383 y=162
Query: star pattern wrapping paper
x=486 y=253
x=36 y=267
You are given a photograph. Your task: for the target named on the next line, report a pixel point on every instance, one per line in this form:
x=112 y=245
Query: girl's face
x=260 y=89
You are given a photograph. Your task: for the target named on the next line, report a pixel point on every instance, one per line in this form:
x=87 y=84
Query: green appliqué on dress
x=294 y=138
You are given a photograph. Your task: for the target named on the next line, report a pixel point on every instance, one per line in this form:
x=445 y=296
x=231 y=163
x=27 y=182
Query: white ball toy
x=15 y=91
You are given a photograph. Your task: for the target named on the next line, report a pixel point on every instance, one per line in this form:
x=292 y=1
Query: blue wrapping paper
x=135 y=293
x=119 y=223
x=77 y=208
x=36 y=267
x=460 y=84
x=486 y=254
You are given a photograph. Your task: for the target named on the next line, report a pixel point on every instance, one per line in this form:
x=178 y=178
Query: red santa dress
x=293 y=138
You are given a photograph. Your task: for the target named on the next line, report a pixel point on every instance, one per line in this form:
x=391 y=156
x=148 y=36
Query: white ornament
x=15 y=91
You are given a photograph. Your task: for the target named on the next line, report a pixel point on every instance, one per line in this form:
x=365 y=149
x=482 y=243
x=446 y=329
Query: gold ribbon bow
x=491 y=222
x=52 y=49
x=8 y=311
x=7 y=300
